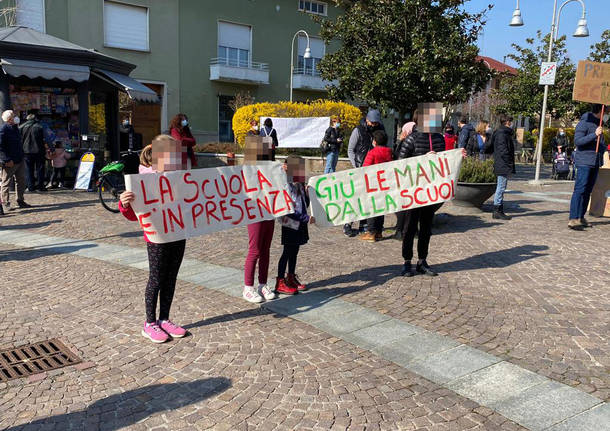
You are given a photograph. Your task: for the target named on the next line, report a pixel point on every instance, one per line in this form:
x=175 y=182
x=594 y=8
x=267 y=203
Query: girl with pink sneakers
x=163 y=259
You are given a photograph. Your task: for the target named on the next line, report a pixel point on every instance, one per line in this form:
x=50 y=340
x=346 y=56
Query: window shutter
x=30 y=13
x=234 y=35
x=125 y=26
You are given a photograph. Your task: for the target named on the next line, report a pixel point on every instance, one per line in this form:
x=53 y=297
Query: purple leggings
x=260 y=235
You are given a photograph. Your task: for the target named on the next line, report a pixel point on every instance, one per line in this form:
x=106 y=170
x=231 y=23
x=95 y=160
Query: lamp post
x=581 y=31
x=307 y=54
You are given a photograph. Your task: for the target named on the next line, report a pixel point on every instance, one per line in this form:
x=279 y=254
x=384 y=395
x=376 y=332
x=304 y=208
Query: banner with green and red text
x=356 y=194
x=177 y=205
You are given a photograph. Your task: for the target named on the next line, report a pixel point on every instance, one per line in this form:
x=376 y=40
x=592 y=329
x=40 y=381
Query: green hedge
x=477 y=171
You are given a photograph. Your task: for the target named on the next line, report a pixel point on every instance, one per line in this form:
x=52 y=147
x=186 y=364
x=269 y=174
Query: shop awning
x=41 y=69
x=135 y=89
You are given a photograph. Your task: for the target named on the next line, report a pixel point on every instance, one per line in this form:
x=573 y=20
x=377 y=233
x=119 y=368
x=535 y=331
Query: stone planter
x=473 y=194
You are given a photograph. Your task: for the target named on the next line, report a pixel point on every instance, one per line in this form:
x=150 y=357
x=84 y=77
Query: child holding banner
x=164 y=259
x=294 y=229
x=379 y=154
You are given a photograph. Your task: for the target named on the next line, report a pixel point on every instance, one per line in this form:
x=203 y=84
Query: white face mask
x=184 y=123
x=16 y=120
x=337 y=125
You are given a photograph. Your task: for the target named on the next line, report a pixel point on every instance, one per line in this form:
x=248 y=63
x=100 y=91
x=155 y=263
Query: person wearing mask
x=466 y=130
x=11 y=160
x=179 y=129
x=587 y=161
x=380 y=153
x=450 y=138
x=560 y=140
x=504 y=162
x=401 y=216
x=268 y=130
x=478 y=144
x=253 y=129
x=34 y=152
x=421 y=218
x=360 y=143
x=333 y=138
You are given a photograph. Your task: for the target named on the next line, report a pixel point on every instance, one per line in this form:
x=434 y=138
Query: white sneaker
x=251 y=295
x=264 y=290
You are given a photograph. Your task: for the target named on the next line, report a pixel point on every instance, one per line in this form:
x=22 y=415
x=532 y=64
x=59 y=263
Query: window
x=315 y=7
x=30 y=13
x=125 y=26
x=234 y=44
x=309 y=66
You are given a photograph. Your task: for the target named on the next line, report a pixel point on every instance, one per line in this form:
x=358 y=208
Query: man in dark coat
x=360 y=143
x=34 y=151
x=504 y=162
x=11 y=160
x=466 y=130
x=587 y=161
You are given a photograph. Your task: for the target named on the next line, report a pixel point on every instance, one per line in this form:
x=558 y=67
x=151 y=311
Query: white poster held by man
x=305 y=132
x=386 y=188
x=177 y=205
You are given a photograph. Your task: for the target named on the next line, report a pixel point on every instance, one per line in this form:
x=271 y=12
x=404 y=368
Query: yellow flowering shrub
x=350 y=115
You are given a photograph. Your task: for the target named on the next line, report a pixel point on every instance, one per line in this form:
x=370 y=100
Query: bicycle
x=111 y=180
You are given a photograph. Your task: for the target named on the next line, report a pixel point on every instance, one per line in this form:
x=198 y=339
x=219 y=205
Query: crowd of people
x=23 y=152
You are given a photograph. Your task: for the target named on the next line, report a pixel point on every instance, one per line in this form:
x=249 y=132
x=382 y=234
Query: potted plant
x=476 y=184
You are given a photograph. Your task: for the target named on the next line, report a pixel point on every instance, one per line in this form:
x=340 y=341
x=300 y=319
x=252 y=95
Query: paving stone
x=452 y=364
x=495 y=383
x=541 y=406
x=595 y=419
x=418 y=345
x=381 y=334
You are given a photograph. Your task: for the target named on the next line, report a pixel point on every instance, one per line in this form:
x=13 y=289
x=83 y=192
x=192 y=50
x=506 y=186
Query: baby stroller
x=563 y=168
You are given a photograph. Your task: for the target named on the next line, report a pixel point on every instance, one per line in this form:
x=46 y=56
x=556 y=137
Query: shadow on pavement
x=494 y=259
x=125 y=409
x=34 y=253
x=540 y=213
x=31 y=225
x=58 y=206
x=448 y=223
x=245 y=314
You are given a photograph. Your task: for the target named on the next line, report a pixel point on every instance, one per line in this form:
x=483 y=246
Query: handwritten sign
x=177 y=205
x=592 y=83
x=356 y=194
x=85 y=169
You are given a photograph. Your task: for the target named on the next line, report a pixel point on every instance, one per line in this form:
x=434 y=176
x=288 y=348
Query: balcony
x=235 y=71
x=308 y=79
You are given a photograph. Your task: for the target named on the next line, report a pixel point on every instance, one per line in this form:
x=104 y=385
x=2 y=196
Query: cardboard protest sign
x=356 y=194
x=183 y=204
x=592 y=83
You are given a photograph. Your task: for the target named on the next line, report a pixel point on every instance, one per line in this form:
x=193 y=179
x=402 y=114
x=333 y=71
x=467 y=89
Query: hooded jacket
x=585 y=141
x=33 y=137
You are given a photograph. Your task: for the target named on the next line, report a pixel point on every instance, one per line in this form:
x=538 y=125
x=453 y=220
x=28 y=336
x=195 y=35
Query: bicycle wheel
x=110 y=187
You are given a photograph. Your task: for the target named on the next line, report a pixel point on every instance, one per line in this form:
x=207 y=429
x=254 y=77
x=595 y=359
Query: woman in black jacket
x=333 y=138
x=419 y=144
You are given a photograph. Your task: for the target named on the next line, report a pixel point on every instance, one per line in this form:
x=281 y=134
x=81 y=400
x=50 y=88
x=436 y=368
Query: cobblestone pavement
x=528 y=291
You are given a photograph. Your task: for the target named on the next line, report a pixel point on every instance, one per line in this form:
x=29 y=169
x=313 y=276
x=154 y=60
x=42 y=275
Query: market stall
x=74 y=90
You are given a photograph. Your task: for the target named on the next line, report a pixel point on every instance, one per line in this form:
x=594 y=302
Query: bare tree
x=8 y=13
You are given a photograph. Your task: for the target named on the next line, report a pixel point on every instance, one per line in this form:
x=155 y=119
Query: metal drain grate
x=35 y=358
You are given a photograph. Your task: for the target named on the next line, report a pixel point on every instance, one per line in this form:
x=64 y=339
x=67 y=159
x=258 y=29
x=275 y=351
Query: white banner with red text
x=177 y=205
x=356 y=194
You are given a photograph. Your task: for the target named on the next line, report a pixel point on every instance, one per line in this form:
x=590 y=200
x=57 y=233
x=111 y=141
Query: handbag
x=290 y=223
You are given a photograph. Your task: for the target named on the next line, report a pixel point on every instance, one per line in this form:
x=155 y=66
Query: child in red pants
x=260 y=235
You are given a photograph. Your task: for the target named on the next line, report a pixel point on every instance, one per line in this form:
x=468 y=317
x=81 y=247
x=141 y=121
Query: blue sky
x=496 y=40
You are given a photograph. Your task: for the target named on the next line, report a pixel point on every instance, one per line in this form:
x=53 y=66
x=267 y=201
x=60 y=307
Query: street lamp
x=581 y=31
x=307 y=54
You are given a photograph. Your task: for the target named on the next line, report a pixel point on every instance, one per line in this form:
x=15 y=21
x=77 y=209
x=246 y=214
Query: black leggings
x=164 y=262
x=422 y=216
x=289 y=256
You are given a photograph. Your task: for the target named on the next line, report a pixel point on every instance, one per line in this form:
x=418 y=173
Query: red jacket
x=187 y=139
x=378 y=155
x=130 y=215
x=450 y=141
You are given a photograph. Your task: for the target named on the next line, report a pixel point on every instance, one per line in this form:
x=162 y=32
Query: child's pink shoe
x=153 y=332
x=172 y=329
